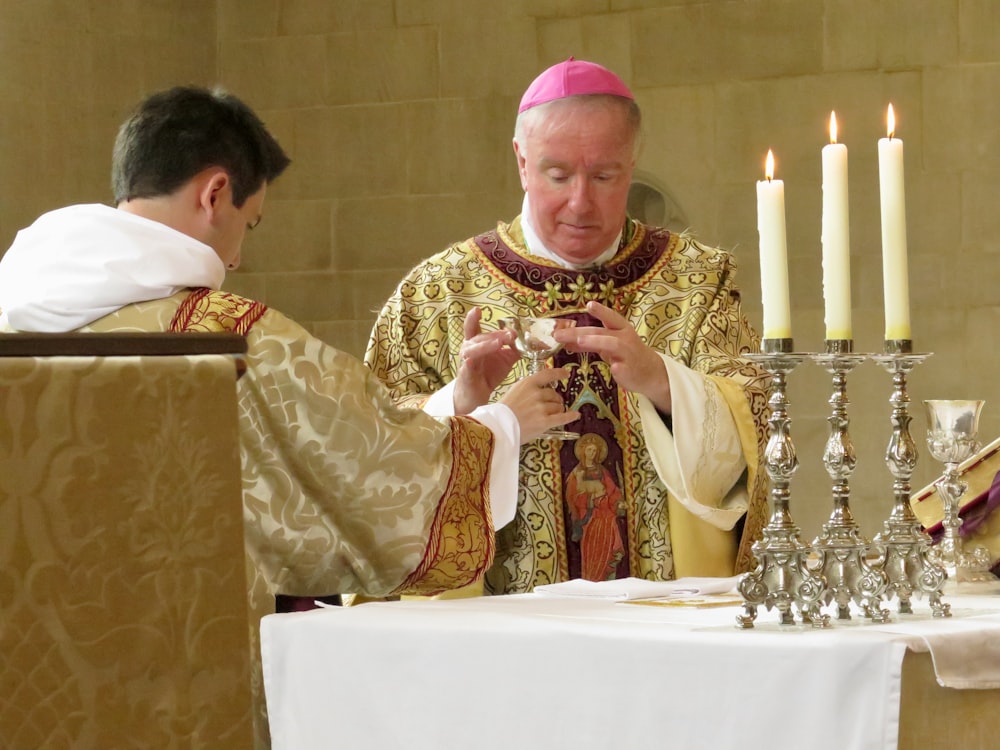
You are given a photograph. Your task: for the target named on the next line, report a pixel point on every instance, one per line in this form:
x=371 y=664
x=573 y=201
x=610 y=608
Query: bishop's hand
x=538 y=406
x=486 y=358
x=634 y=366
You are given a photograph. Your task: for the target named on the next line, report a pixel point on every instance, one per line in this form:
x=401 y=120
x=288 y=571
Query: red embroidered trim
x=461 y=544
x=209 y=310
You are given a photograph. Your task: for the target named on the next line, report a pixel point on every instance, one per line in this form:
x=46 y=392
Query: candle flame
x=833 y=127
x=890 y=122
x=769 y=166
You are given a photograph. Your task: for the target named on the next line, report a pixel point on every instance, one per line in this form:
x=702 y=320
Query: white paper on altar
x=624 y=589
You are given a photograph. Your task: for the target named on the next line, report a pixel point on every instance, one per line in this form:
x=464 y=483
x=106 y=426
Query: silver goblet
x=952 y=428
x=535 y=342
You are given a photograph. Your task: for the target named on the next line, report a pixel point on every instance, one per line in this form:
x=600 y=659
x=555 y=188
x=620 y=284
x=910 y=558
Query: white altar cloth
x=531 y=671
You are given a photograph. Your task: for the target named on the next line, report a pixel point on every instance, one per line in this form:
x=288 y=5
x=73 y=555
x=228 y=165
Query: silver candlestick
x=782 y=577
x=841 y=548
x=902 y=546
x=952 y=427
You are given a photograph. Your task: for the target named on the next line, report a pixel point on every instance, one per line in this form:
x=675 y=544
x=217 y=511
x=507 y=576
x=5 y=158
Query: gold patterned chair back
x=123 y=595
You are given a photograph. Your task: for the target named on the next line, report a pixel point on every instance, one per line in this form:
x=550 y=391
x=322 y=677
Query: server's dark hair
x=175 y=134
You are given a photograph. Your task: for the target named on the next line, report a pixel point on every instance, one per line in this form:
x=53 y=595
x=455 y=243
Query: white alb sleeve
x=702 y=466
x=506 y=449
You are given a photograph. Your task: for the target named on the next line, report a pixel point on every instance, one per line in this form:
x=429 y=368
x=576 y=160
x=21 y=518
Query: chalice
x=952 y=427
x=536 y=344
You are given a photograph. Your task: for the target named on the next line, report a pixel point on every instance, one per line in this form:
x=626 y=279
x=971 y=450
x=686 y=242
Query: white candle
x=836 y=239
x=895 y=281
x=773 y=254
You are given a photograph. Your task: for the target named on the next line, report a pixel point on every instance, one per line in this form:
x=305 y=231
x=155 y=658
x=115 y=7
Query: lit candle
x=773 y=254
x=836 y=239
x=895 y=282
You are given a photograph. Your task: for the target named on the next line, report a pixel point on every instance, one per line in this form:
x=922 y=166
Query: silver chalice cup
x=536 y=344
x=952 y=437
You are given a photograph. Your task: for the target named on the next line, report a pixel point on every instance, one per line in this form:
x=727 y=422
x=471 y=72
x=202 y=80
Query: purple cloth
x=975 y=513
x=974 y=521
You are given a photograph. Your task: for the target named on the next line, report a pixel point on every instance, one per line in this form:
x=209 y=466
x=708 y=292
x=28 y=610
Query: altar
x=533 y=671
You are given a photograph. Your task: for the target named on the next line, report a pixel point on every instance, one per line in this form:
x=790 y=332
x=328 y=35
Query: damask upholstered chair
x=123 y=604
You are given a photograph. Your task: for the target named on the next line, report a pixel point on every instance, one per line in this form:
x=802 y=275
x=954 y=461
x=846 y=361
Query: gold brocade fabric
x=343 y=491
x=603 y=503
x=123 y=611
x=208 y=311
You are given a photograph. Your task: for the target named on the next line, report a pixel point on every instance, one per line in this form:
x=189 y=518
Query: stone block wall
x=399 y=114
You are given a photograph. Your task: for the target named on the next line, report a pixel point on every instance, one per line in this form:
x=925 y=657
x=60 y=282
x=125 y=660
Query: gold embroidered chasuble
x=597 y=504
x=343 y=491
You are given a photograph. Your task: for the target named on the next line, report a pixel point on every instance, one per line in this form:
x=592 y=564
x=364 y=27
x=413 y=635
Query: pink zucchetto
x=572 y=78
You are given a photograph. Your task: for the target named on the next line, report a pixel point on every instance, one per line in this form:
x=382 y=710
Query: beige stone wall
x=70 y=70
x=398 y=114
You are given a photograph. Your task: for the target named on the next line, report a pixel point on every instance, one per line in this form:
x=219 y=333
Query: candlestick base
x=782 y=577
x=903 y=547
x=847 y=575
